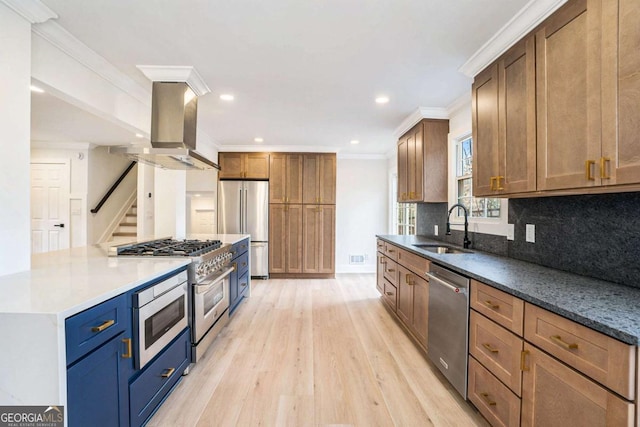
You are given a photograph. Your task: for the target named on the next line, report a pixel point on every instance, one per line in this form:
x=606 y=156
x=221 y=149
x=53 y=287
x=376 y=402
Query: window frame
x=495 y=225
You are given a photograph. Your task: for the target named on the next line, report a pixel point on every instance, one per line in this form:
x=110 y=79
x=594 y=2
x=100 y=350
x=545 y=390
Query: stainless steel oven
x=210 y=309
x=160 y=314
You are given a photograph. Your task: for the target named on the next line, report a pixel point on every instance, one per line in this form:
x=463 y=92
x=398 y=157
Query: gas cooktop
x=169 y=247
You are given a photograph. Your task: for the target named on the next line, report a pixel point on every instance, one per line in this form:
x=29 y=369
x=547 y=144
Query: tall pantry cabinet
x=302 y=190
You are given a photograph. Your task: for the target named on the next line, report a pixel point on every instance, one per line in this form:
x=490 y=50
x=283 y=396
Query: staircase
x=128 y=226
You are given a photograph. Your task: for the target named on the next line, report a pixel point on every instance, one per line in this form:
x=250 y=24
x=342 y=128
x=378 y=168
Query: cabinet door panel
x=293 y=239
x=484 y=108
x=97 y=390
x=433 y=169
x=257 y=165
x=568 y=61
x=420 y=325
x=405 y=295
x=277 y=178
x=310 y=174
x=380 y=273
x=327 y=179
x=327 y=238
x=231 y=165
x=555 y=395
x=294 y=178
x=403 y=153
x=311 y=239
x=277 y=244
x=620 y=162
x=517 y=119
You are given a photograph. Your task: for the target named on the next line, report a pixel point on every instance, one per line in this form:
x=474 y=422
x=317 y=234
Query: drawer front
x=598 y=356
x=495 y=401
x=390 y=294
x=502 y=308
x=380 y=245
x=243 y=284
x=497 y=349
x=380 y=273
x=150 y=388
x=413 y=262
x=242 y=263
x=240 y=247
x=95 y=326
x=391 y=251
x=391 y=271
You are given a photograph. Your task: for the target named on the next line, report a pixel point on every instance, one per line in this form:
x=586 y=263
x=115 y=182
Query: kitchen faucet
x=467 y=242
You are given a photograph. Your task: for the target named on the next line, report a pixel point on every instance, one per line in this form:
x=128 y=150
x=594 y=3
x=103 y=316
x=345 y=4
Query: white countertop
x=224 y=238
x=66 y=282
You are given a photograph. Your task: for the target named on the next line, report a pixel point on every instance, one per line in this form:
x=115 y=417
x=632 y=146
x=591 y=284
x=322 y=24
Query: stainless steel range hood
x=174 y=112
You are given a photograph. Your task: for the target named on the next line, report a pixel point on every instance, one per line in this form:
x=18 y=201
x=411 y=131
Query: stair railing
x=113 y=187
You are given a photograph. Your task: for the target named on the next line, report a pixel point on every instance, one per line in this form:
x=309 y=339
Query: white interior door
x=49 y=206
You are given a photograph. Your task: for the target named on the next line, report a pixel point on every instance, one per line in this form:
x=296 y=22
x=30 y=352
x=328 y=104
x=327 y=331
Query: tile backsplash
x=593 y=235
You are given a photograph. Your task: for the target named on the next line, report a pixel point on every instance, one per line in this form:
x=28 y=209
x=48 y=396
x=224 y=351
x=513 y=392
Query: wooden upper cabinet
x=244 y=165
x=504 y=124
x=568 y=69
x=620 y=160
x=403 y=154
x=422 y=162
x=319 y=179
x=484 y=108
x=285 y=183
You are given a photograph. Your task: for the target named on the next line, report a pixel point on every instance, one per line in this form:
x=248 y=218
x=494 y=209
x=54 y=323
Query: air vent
x=356 y=259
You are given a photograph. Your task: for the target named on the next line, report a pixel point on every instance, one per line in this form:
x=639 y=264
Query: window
x=403 y=214
x=478 y=207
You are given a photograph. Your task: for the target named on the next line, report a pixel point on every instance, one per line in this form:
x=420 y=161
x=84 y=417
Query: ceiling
x=303 y=73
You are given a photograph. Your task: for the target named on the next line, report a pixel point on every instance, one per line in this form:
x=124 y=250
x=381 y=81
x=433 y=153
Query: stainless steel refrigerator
x=243 y=208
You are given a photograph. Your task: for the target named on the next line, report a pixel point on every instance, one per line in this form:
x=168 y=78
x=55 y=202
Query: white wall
x=146 y=204
x=104 y=169
x=15 y=107
x=361 y=211
x=170 y=203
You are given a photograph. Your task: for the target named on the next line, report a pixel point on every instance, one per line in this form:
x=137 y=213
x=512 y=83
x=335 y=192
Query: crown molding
x=529 y=17
x=355 y=156
x=33 y=11
x=419 y=114
x=176 y=73
x=67 y=43
x=278 y=148
x=461 y=102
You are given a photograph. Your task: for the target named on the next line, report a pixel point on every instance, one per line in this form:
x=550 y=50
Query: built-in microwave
x=160 y=314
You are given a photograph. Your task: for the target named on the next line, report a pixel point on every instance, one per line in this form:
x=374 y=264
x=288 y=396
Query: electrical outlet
x=435 y=230
x=510 y=231
x=531 y=233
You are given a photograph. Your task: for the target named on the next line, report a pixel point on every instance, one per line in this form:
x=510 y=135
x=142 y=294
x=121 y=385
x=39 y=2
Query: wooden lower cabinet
x=499 y=405
x=285 y=238
x=413 y=303
x=380 y=272
x=555 y=395
x=318 y=239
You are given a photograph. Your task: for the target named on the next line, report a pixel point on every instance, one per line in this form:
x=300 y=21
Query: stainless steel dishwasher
x=449 y=325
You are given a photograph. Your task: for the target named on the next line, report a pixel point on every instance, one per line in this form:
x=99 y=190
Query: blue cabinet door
x=97 y=387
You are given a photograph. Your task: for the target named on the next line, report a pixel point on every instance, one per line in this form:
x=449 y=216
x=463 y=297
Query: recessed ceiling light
x=258 y=139
x=355 y=141
x=139 y=135
x=227 y=97
x=196 y=195
x=36 y=89
x=382 y=100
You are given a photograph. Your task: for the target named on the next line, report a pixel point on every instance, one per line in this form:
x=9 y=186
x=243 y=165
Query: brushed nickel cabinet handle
x=104 y=326
x=558 y=340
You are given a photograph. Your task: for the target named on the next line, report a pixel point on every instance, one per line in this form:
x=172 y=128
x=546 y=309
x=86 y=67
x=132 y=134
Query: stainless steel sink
x=440 y=249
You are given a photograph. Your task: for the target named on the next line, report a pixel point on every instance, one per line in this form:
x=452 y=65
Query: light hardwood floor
x=314 y=353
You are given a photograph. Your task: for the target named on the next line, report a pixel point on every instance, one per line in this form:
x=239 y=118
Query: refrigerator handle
x=246 y=207
x=241 y=200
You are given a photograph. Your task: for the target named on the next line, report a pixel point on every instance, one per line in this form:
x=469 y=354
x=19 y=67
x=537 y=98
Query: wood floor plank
x=314 y=353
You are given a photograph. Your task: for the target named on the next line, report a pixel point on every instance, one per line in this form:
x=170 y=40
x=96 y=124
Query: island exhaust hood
x=174 y=111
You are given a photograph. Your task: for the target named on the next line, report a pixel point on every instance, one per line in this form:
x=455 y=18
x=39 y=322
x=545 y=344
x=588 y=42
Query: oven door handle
x=204 y=287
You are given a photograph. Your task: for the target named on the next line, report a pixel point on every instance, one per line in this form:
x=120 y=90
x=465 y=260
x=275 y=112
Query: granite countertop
x=69 y=281
x=603 y=306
